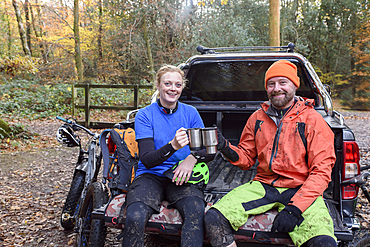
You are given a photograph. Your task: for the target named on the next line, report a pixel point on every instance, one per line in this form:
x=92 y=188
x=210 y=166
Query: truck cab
x=226 y=85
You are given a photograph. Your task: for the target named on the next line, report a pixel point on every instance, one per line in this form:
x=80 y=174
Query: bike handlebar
x=64 y=120
x=365 y=168
x=74 y=124
x=358 y=180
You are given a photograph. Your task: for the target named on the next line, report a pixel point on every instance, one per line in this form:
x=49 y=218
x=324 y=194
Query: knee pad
x=137 y=215
x=218 y=228
x=321 y=241
x=191 y=206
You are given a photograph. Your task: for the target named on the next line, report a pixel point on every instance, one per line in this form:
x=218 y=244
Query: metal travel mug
x=195 y=138
x=210 y=141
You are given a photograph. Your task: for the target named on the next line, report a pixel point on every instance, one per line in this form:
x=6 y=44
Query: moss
x=4 y=128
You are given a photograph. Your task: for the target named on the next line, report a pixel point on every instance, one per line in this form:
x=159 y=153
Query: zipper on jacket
x=275 y=145
x=276 y=140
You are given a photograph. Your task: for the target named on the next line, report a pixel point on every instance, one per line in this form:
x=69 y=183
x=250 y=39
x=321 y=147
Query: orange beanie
x=283 y=68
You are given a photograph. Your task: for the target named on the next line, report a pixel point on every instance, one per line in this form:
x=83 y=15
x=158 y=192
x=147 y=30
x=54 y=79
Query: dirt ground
x=35 y=182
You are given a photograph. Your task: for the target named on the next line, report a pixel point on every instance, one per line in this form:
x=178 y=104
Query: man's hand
x=221 y=140
x=183 y=172
x=180 y=140
x=287 y=219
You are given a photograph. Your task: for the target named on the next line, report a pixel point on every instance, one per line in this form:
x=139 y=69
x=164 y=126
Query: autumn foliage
x=126 y=41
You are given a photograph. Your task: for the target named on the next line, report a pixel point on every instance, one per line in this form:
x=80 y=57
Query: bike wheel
x=361 y=238
x=71 y=205
x=365 y=242
x=92 y=232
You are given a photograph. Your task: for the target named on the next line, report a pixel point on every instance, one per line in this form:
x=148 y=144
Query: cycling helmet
x=66 y=136
x=200 y=173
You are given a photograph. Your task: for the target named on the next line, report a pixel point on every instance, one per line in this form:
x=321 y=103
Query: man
x=295 y=150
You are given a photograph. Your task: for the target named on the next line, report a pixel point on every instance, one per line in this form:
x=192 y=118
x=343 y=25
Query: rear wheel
x=361 y=239
x=71 y=205
x=364 y=242
x=92 y=232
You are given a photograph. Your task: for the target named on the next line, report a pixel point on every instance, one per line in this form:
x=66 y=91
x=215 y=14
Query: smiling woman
x=170 y=87
x=162 y=140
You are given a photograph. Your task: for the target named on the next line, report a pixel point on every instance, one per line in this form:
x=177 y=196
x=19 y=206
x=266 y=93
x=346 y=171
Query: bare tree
x=9 y=33
x=274 y=23
x=37 y=28
x=149 y=50
x=76 y=31
x=22 y=33
x=28 y=23
x=100 y=32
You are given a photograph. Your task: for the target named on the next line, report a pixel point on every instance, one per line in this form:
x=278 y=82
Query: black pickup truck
x=226 y=86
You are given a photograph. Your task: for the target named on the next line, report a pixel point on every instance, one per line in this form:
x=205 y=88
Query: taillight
x=351 y=158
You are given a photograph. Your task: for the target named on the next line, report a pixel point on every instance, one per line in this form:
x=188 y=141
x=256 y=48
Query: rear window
x=232 y=81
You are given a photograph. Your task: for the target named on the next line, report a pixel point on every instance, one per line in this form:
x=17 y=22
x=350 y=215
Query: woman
x=160 y=132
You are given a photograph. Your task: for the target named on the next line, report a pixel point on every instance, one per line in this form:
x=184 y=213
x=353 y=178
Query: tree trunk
x=100 y=34
x=274 y=23
x=28 y=23
x=98 y=66
x=9 y=35
x=38 y=27
x=76 y=31
x=22 y=34
x=149 y=51
x=37 y=34
x=148 y=48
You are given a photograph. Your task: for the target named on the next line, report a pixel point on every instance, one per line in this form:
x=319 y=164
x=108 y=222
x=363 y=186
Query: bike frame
x=88 y=162
x=89 y=167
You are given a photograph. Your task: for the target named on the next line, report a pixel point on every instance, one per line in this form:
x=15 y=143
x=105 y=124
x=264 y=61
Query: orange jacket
x=282 y=154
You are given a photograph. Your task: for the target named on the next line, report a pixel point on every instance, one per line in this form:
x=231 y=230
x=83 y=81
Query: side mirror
x=327 y=88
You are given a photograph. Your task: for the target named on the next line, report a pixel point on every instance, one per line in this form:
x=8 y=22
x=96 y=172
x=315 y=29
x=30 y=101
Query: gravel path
x=359 y=122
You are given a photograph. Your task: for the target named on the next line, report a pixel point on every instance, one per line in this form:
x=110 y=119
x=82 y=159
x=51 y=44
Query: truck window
x=232 y=81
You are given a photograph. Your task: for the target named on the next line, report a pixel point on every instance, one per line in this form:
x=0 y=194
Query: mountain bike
x=86 y=169
x=360 y=181
x=90 y=226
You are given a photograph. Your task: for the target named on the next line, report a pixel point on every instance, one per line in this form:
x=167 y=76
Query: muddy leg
x=320 y=241
x=137 y=215
x=192 y=211
x=218 y=229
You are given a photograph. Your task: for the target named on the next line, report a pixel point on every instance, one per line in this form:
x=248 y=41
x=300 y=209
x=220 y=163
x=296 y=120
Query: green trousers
x=255 y=198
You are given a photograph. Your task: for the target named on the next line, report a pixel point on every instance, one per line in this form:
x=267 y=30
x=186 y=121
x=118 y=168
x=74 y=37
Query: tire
x=92 y=232
x=361 y=239
x=364 y=242
x=70 y=206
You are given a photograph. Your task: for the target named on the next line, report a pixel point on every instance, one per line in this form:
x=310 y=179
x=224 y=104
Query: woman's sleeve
x=151 y=157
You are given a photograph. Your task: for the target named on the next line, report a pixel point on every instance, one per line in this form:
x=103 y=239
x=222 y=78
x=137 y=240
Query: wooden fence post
x=74 y=103
x=87 y=105
x=136 y=96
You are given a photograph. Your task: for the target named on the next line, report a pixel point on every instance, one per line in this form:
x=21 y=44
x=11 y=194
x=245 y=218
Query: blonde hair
x=169 y=68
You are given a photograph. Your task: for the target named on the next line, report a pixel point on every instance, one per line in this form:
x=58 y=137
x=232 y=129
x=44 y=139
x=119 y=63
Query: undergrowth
x=28 y=99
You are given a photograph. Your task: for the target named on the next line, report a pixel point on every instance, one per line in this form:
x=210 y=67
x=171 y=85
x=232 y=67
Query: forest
x=48 y=46
x=52 y=44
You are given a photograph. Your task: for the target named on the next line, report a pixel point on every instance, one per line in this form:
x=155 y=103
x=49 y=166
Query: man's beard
x=281 y=103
